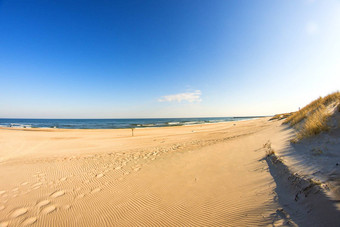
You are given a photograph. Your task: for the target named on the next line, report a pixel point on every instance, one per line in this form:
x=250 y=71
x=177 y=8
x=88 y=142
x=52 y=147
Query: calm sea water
x=112 y=123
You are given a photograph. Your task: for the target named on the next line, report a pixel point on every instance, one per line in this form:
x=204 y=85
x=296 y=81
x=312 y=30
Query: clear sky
x=161 y=58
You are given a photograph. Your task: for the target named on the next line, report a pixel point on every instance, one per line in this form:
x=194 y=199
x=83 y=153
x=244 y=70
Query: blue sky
x=127 y=59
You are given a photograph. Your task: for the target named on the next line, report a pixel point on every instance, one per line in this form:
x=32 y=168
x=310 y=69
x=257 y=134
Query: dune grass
x=315 y=123
x=269 y=149
x=312 y=119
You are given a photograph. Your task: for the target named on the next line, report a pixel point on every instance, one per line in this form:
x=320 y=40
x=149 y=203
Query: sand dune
x=203 y=175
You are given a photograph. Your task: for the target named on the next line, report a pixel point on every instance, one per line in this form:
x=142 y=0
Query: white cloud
x=188 y=96
x=312 y=28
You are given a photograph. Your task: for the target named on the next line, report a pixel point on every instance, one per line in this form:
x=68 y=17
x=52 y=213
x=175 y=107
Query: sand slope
x=206 y=175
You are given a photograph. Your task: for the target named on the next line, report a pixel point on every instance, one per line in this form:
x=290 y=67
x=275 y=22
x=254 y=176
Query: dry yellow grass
x=298 y=116
x=269 y=149
x=313 y=117
x=315 y=123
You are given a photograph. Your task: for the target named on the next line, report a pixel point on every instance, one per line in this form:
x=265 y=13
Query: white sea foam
x=173 y=123
x=15 y=125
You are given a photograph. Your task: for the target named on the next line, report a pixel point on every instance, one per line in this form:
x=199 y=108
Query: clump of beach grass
x=270 y=153
x=312 y=119
x=269 y=150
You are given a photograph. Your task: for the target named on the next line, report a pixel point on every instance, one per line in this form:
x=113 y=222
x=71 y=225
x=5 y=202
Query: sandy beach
x=200 y=175
x=170 y=113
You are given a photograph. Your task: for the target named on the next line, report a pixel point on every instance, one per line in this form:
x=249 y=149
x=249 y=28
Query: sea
x=113 y=123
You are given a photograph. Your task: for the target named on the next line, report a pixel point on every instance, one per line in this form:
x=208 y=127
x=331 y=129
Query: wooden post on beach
x=132 y=129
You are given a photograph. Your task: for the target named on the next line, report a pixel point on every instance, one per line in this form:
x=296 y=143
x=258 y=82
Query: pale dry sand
x=203 y=175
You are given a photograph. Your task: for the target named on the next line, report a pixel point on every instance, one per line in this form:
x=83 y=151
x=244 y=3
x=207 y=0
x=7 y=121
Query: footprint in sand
x=2 y=207
x=118 y=167
x=25 y=183
x=29 y=221
x=96 y=190
x=19 y=212
x=43 y=203
x=48 y=209
x=2 y=192
x=57 y=194
x=63 y=179
x=100 y=175
x=37 y=185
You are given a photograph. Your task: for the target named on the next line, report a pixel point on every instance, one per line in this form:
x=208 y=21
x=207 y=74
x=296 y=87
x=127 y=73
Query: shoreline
x=139 y=127
x=128 y=123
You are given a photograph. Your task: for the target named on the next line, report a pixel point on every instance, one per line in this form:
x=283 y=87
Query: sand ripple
x=19 y=212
